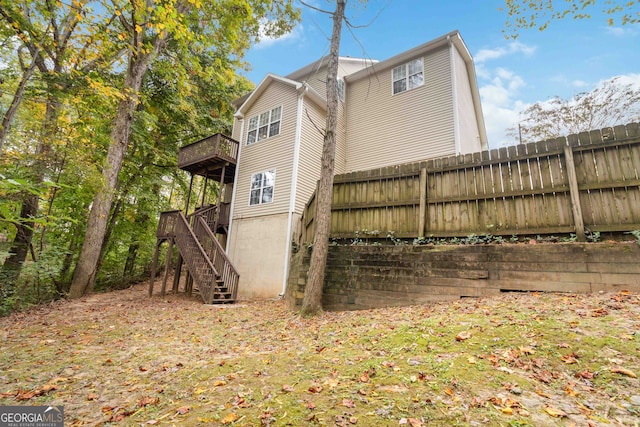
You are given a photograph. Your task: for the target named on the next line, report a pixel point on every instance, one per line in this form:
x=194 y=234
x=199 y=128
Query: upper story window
x=264 y=125
x=262 y=184
x=408 y=76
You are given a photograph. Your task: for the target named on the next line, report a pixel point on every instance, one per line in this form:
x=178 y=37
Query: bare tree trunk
x=312 y=301
x=87 y=268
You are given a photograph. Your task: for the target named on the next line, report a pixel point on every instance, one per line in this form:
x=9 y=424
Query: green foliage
x=526 y=14
x=636 y=234
x=185 y=95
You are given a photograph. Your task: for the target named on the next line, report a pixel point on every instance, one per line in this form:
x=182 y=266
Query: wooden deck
x=210 y=156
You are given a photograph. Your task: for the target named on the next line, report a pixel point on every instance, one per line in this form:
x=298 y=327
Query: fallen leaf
x=287 y=388
x=349 y=403
x=543 y=394
x=219 y=383
x=146 y=401
x=464 y=335
x=554 y=412
x=526 y=350
x=623 y=371
x=586 y=374
x=183 y=410
x=413 y=422
x=315 y=388
x=230 y=418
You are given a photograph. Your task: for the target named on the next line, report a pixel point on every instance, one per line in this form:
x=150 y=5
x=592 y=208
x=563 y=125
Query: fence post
x=574 y=193
x=423 y=202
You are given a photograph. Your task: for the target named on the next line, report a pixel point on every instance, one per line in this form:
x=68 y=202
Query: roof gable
x=300 y=87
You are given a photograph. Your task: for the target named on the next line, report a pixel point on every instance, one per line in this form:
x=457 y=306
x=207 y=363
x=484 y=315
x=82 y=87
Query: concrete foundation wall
x=362 y=277
x=257 y=249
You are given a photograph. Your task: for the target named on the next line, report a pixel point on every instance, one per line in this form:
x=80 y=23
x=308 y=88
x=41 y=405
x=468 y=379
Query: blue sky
x=569 y=57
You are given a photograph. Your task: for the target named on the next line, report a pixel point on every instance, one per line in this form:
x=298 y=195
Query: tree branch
x=315 y=8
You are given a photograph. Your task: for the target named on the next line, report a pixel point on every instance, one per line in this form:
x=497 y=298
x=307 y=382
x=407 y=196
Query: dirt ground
x=521 y=359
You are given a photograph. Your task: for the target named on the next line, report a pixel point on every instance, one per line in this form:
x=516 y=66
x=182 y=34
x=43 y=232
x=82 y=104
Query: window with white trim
x=408 y=76
x=262 y=184
x=264 y=125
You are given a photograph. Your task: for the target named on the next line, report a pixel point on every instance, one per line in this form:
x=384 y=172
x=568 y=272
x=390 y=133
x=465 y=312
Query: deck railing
x=195 y=256
x=222 y=264
x=167 y=224
x=205 y=257
x=218 y=145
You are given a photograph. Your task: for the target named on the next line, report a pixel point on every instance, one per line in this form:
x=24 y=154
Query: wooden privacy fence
x=589 y=181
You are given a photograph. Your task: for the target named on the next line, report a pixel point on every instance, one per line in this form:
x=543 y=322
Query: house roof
x=247 y=100
x=304 y=72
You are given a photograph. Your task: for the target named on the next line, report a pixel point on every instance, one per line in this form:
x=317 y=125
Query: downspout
x=294 y=185
x=454 y=88
x=235 y=182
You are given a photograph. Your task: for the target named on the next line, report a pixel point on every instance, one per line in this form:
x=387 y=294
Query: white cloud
x=620 y=31
x=500 y=105
x=268 y=41
x=579 y=83
x=484 y=55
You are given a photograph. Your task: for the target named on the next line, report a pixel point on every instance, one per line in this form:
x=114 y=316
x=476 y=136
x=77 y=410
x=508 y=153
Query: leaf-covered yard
x=521 y=359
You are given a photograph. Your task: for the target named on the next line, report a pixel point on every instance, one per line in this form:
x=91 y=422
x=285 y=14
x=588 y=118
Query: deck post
x=186 y=207
x=167 y=267
x=215 y=224
x=154 y=267
x=178 y=272
x=574 y=192
x=423 y=202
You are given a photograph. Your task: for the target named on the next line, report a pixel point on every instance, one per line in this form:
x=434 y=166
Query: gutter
x=235 y=180
x=454 y=89
x=294 y=185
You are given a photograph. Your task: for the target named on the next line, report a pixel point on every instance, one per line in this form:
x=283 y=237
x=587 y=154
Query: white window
x=262 y=184
x=264 y=125
x=408 y=76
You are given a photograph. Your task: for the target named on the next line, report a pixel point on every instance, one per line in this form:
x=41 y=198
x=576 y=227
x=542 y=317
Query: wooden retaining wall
x=589 y=181
x=361 y=277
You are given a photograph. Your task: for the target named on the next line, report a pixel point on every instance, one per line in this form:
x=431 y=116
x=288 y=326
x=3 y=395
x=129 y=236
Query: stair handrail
x=195 y=238
x=217 y=244
x=202 y=210
x=225 y=262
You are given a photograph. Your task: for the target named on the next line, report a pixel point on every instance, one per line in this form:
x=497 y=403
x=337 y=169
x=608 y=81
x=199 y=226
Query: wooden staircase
x=213 y=158
x=213 y=273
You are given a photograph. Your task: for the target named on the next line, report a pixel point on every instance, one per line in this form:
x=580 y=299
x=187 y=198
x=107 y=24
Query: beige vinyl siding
x=275 y=152
x=318 y=79
x=310 y=153
x=385 y=129
x=466 y=115
x=237 y=125
x=341 y=140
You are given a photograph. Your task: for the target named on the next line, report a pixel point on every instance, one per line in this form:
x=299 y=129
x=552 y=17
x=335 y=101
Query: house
x=420 y=104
